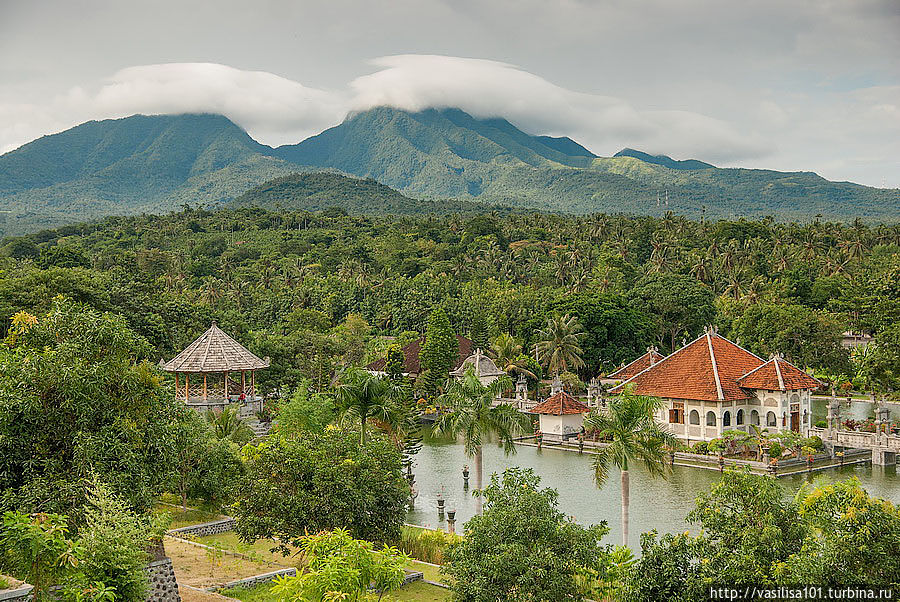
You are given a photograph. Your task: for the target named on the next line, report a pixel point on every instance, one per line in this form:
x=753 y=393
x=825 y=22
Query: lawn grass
x=202 y=568
x=417 y=591
x=258 y=549
x=185 y=519
x=429 y=572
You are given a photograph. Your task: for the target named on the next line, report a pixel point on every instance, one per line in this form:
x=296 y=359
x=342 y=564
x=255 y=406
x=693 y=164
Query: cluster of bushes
x=751 y=532
x=100 y=559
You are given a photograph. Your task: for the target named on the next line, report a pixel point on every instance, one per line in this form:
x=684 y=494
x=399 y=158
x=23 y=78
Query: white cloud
x=487 y=88
x=837 y=133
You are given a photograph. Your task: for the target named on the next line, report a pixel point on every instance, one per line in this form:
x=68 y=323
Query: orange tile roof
x=705 y=369
x=638 y=365
x=561 y=404
x=778 y=375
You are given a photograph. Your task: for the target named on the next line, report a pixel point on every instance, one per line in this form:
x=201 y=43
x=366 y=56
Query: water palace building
x=216 y=371
x=712 y=385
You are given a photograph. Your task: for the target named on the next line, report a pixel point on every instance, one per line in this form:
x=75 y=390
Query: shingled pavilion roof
x=214 y=351
x=561 y=404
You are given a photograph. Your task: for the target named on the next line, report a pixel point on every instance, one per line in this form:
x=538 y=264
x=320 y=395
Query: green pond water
x=655 y=503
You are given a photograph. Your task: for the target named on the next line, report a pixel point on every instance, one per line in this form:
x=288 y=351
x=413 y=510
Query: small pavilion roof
x=561 y=404
x=214 y=351
x=642 y=363
x=483 y=365
x=707 y=369
x=778 y=375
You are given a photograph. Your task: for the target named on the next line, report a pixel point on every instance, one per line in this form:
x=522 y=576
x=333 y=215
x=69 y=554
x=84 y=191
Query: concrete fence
x=215 y=527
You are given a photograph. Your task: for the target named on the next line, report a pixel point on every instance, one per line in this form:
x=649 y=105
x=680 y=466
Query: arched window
x=726 y=419
x=754 y=417
x=771 y=419
x=740 y=417
x=695 y=417
x=710 y=418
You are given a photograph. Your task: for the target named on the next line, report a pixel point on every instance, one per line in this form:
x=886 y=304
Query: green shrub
x=701 y=447
x=426 y=544
x=775 y=450
x=814 y=442
x=821 y=424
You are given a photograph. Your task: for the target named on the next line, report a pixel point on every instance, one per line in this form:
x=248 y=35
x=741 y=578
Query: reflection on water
x=655 y=503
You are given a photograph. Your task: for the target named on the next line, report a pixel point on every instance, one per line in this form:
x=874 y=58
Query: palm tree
x=472 y=414
x=558 y=344
x=507 y=352
x=362 y=395
x=630 y=427
x=227 y=424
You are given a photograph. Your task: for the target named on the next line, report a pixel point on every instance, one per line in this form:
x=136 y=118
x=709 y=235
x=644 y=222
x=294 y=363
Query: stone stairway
x=260 y=429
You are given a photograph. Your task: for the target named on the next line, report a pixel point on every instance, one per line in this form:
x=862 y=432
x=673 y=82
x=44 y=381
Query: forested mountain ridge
x=360 y=196
x=157 y=163
x=131 y=165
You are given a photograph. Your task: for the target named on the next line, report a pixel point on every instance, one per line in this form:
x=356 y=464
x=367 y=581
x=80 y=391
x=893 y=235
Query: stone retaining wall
x=205 y=529
x=256 y=580
x=21 y=593
x=163 y=586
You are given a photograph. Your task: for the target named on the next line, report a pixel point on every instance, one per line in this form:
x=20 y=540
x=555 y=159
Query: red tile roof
x=638 y=365
x=411 y=353
x=561 y=404
x=778 y=375
x=705 y=369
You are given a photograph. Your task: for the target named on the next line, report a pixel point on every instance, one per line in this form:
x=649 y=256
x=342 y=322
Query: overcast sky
x=790 y=85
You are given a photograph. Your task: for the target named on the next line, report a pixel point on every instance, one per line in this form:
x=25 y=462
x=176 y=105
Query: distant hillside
x=447 y=153
x=158 y=163
x=321 y=190
x=131 y=165
x=664 y=160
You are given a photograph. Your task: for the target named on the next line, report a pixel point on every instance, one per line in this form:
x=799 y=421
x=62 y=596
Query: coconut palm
x=362 y=395
x=629 y=425
x=227 y=424
x=558 y=344
x=471 y=413
x=507 y=352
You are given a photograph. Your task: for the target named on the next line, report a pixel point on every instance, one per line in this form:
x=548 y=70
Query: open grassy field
x=203 y=568
x=259 y=549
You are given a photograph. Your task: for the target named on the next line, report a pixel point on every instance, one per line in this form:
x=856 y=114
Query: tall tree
x=633 y=435
x=439 y=352
x=471 y=414
x=523 y=548
x=680 y=305
x=76 y=399
x=558 y=344
x=361 y=396
x=479 y=332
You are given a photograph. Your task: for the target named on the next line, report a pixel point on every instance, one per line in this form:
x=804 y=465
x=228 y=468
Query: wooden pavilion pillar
x=204 y=386
x=226 y=387
x=187 y=387
x=243 y=384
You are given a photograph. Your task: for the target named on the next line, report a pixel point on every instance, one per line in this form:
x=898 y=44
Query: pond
x=655 y=503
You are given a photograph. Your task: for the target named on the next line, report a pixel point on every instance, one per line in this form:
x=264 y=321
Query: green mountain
x=663 y=160
x=158 y=163
x=131 y=165
x=448 y=153
x=323 y=190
